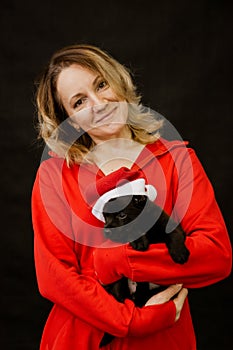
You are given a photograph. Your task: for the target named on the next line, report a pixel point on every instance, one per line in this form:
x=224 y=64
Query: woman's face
x=92 y=104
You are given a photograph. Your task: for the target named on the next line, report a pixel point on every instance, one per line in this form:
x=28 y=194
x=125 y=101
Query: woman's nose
x=98 y=103
x=100 y=107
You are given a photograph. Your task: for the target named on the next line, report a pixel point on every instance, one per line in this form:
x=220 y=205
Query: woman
x=91 y=118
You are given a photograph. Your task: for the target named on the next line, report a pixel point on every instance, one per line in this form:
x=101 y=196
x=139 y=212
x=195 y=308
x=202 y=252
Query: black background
x=180 y=53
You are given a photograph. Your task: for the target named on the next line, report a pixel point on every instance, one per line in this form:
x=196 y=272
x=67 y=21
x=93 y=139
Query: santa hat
x=121 y=182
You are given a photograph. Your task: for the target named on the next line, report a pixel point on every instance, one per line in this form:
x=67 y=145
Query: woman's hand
x=168 y=294
x=160 y=311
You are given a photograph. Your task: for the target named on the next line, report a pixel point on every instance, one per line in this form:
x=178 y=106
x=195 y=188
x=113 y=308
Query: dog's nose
x=107 y=232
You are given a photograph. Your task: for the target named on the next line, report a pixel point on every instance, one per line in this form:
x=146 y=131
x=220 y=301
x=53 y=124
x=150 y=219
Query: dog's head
x=120 y=214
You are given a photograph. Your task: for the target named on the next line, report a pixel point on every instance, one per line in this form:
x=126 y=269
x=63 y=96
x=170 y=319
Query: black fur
x=139 y=221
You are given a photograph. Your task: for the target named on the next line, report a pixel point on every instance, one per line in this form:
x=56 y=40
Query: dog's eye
x=139 y=200
x=121 y=216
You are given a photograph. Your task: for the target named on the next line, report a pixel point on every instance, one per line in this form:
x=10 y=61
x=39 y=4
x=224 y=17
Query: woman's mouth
x=106 y=116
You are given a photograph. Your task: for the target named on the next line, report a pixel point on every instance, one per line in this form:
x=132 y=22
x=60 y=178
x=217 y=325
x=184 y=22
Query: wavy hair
x=53 y=122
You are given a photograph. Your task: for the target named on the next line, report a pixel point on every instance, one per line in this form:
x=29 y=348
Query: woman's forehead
x=73 y=78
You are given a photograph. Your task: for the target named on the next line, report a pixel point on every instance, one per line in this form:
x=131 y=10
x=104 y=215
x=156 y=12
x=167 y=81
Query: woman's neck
x=116 y=153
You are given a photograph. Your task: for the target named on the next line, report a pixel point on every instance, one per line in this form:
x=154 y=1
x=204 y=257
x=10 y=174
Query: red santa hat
x=119 y=183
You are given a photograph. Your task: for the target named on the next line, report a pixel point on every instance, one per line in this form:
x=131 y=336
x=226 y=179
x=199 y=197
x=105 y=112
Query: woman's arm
x=60 y=281
x=207 y=240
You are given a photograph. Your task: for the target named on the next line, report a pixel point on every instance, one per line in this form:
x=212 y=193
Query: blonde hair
x=62 y=138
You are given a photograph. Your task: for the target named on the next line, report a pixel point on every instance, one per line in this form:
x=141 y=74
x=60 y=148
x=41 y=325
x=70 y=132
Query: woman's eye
x=102 y=84
x=78 y=103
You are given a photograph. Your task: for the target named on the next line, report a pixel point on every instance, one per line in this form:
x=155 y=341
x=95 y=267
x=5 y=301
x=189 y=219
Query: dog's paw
x=140 y=244
x=180 y=254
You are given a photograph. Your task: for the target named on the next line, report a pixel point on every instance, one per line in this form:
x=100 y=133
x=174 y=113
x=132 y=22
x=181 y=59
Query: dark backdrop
x=180 y=53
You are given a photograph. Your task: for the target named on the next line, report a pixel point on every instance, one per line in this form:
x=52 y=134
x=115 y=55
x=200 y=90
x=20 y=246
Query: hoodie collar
x=149 y=152
x=157 y=149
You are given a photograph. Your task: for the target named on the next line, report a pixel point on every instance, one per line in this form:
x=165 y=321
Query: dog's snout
x=107 y=232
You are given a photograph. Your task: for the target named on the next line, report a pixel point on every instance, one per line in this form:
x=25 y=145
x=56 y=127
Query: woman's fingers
x=179 y=301
x=165 y=295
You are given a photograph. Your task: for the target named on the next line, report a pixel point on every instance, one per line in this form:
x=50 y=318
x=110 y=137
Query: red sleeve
x=207 y=241
x=59 y=277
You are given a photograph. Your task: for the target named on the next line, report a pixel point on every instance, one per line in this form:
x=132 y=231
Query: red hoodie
x=68 y=273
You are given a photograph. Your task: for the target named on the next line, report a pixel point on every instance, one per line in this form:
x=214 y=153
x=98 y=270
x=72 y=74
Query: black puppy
x=139 y=221
x=136 y=219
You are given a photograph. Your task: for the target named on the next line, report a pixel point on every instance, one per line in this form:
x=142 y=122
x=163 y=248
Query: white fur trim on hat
x=136 y=187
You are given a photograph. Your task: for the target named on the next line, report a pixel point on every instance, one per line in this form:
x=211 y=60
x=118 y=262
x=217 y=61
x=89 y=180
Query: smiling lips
x=105 y=116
